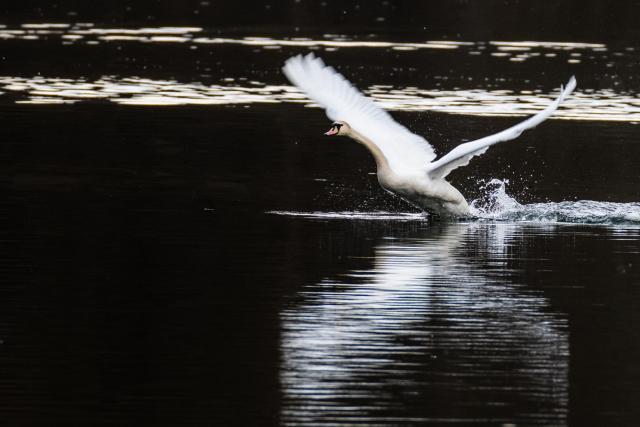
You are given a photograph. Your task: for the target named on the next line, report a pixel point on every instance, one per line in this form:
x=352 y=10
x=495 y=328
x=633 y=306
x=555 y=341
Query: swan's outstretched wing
x=462 y=154
x=404 y=150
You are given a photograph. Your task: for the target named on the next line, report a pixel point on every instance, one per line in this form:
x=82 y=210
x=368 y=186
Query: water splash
x=497 y=205
x=494 y=200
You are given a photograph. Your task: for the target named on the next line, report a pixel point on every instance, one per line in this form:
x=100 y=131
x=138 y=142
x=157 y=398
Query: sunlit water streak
x=515 y=51
x=585 y=104
x=355 y=349
x=88 y=32
x=605 y=104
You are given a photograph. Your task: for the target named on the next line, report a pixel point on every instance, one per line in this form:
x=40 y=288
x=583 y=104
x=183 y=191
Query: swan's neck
x=381 y=160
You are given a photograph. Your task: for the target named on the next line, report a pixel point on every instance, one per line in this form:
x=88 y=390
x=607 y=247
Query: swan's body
x=406 y=162
x=434 y=196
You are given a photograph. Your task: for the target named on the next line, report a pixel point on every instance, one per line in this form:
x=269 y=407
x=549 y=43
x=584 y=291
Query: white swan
x=406 y=162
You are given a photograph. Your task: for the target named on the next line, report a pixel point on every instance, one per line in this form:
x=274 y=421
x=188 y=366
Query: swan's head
x=338 y=128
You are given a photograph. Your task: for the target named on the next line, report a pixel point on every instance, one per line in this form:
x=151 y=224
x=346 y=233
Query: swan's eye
x=337 y=126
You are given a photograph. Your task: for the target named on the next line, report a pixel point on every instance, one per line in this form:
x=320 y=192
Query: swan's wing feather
x=462 y=154
x=404 y=150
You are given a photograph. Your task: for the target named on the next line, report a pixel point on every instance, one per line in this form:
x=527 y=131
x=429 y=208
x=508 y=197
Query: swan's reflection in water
x=430 y=333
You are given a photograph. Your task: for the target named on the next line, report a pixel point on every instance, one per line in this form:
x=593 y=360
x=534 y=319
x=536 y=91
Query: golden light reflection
x=88 y=33
x=603 y=104
x=255 y=41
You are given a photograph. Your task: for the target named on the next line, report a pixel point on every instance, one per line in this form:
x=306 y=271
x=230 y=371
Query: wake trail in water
x=496 y=204
x=356 y=215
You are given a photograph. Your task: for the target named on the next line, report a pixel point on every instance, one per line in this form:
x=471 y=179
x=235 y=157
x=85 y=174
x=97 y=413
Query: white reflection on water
x=140 y=91
x=425 y=334
x=267 y=41
x=604 y=104
x=88 y=33
x=85 y=32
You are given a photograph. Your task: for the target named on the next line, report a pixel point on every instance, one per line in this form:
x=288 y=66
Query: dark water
x=180 y=246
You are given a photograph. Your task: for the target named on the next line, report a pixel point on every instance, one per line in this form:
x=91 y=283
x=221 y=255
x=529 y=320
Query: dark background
x=584 y=20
